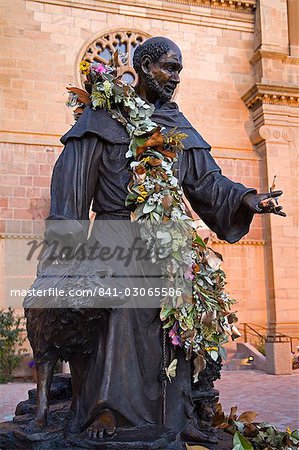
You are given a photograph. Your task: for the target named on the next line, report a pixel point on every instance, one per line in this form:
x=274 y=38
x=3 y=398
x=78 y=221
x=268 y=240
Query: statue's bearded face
x=163 y=75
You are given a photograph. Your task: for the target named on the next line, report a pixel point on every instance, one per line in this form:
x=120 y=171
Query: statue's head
x=158 y=62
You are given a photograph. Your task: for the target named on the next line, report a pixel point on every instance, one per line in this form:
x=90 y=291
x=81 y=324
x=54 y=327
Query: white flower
x=176 y=214
x=149 y=184
x=157 y=198
x=107 y=88
x=174 y=181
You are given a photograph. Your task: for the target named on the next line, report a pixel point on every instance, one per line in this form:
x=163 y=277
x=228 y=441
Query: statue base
x=56 y=436
x=145 y=437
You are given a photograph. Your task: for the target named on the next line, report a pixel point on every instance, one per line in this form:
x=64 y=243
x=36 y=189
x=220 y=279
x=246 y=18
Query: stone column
x=273 y=102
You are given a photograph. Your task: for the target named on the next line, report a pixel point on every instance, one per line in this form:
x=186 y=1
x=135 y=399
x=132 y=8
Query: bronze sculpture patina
x=119 y=384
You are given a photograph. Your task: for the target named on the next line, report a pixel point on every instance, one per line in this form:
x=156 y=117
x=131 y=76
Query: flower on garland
x=85 y=67
x=99 y=68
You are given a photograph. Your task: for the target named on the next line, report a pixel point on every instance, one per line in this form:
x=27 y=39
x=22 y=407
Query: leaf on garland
x=165 y=312
x=233 y=413
x=231 y=317
x=154 y=162
x=295 y=434
x=155 y=140
x=214 y=355
x=249 y=430
x=167 y=201
x=83 y=96
x=247 y=416
x=219 y=416
x=235 y=332
x=241 y=443
x=168 y=153
x=164 y=236
x=133 y=216
x=222 y=352
x=199 y=241
x=208 y=317
x=199 y=365
x=213 y=260
x=158 y=217
x=148 y=208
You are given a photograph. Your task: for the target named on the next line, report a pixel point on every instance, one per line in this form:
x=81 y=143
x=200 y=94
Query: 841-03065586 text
x=100 y=292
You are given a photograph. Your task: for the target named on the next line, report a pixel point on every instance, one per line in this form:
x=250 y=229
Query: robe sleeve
x=73 y=183
x=216 y=199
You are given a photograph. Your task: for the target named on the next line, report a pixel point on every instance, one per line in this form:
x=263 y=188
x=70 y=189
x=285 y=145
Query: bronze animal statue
x=60 y=334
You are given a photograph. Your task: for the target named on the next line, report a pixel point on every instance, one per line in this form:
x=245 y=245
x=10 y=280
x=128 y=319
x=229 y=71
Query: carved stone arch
x=101 y=46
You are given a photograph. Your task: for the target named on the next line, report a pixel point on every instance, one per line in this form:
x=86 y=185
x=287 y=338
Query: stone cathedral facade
x=239 y=88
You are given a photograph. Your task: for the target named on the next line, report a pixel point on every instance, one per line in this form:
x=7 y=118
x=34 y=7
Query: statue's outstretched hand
x=264 y=203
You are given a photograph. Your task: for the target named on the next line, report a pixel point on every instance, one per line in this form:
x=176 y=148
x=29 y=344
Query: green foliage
x=260 y=346
x=269 y=437
x=249 y=435
x=11 y=340
x=241 y=443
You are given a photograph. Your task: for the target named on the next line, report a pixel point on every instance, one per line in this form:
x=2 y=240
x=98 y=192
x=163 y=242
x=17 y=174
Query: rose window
x=101 y=49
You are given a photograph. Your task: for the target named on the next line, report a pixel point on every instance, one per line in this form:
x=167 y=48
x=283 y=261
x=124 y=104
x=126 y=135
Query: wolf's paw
x=74 y=426
x=36 y=425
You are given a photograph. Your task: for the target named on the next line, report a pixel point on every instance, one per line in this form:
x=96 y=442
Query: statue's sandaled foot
x=103 y=426
x=193 y=435
x=36 y=425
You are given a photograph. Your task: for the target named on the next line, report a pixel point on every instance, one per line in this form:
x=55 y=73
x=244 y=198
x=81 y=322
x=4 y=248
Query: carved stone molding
x=31 y=138
x=247 y=6
x=216 y=241
x=273 y=133
x=21 y=236
x=216 y=14
x=271 y=94
x=271 y=54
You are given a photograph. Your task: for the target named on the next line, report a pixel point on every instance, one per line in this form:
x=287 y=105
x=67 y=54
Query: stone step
x=238 y=364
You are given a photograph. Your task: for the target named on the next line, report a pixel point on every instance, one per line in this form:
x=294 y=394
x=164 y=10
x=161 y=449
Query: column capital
x=273 y=134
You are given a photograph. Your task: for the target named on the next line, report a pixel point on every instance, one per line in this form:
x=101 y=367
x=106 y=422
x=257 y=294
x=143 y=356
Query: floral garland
x=198 y=316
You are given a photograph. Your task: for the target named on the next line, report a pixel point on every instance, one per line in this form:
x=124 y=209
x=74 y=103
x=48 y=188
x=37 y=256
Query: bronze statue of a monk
x=122 y=373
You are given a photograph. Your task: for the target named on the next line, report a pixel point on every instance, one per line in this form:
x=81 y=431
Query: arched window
x=101 y=48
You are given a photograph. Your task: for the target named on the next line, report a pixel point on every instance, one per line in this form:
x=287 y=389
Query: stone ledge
x=215 y=241
x=189 y=12
x=272 y=54
x=247 y=6
x=271 y=94
x=31 y=138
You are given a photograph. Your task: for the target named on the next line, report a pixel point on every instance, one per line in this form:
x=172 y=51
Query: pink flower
x=175 y=339
x=99 y=68
x=188 y=275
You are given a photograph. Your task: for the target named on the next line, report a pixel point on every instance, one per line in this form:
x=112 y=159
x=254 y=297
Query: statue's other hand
x=264 y=203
